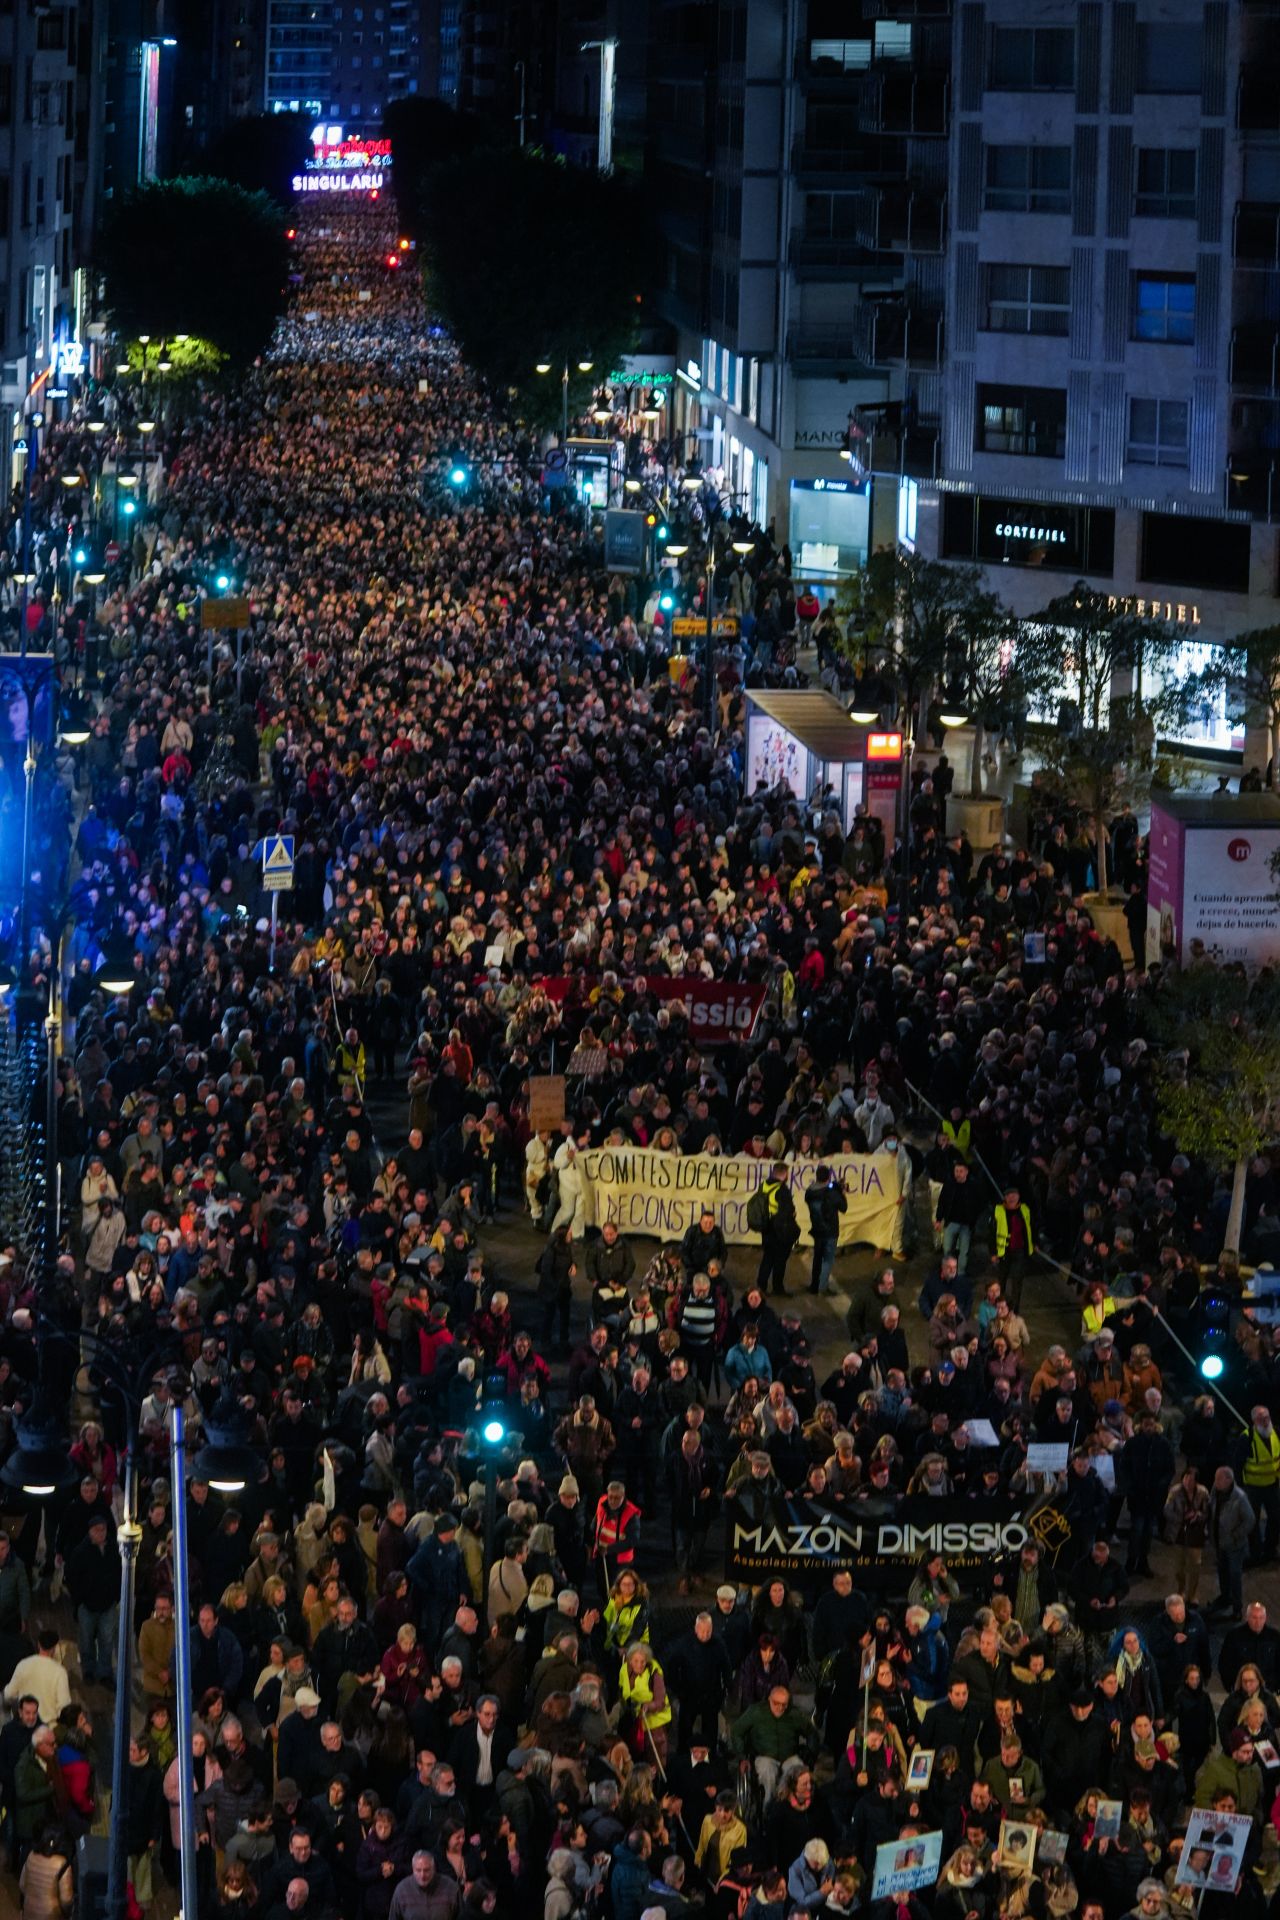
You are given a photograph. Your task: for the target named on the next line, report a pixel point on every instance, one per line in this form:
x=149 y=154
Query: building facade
x=1106 y=406
x=345 y=62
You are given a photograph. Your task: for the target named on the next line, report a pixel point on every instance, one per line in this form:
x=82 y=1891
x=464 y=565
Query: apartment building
x=1107 y=404
x=344 y=62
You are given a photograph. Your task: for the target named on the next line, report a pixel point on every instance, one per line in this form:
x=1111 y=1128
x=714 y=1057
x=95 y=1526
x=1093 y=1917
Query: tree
x=1247 y=671
x=198 y=256
x=425 y=134
x=1219 y=1071
x=527 y=257
x=1103 y=747
x=262 y=153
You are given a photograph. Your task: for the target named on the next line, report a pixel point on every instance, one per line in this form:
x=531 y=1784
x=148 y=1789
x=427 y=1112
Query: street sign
x=111 y=553
x=232 y=612
x=689 y=627
x=277 y=862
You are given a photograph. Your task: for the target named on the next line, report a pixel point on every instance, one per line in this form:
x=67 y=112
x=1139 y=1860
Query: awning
x=818 y=721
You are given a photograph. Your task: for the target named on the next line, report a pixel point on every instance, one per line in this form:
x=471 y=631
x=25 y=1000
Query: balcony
x=1256 y=234
x=815 y=165
x=889 y=439
x=828 y=257
x=1255 y=359
x=1251 y=484
x=904 y=102
x=822 y=348
x=902 y=219
x=894 y=333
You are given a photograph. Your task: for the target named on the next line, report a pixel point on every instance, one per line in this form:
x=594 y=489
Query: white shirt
x=484 y=1772
x=45 y=1680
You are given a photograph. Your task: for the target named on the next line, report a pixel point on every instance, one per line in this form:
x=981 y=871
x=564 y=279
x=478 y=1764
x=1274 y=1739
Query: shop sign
x=337 y=182
x=1177 y=613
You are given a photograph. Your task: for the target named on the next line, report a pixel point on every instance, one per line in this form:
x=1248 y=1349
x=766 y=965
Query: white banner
x=663 y=1193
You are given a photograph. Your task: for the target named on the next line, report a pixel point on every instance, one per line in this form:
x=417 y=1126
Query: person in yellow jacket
x=723 y=1834
x=1260 y=1475
x=1015 y=1243
x=643 y=1691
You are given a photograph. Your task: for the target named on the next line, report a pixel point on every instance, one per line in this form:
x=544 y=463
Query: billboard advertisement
x=1211 y=886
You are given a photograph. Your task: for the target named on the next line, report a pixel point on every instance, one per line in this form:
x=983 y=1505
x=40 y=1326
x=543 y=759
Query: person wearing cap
x=298 y=1742
x=568 y=1527
x=438 y=1577
x=1231 y=1771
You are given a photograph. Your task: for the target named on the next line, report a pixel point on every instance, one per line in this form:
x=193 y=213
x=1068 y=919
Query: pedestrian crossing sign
x=277 y=862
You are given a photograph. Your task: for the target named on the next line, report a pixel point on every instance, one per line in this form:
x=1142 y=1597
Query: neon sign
x=337 y=182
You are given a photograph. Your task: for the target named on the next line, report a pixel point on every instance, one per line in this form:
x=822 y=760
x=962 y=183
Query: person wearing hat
x=438 y=1577
x=568 y=1528
x=298 y=1739
x=1232 y=1771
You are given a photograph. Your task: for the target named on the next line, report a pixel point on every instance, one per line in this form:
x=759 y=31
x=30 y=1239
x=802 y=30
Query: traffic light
x=663 y=531
x=459 y=474
x=1214 y=1314
x=651 y=519
x=493 y=1410
x=667 y=601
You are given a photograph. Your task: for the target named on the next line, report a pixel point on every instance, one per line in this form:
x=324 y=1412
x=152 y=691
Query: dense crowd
x=467 y=726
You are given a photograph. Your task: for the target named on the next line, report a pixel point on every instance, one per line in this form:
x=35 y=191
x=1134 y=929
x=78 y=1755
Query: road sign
x=689 y=627
x=232 y=612
x=111 y=553
x=277 y=862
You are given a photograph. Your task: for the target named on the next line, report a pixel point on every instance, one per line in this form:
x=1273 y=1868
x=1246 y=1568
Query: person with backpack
x=771 y=1213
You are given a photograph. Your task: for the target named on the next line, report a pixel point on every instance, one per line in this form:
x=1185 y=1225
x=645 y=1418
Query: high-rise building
x=345 y=62
x=1107 y=405
x=41 y=188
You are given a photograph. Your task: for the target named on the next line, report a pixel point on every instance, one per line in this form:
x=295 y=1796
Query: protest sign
x=881 y=1541
x=905 y=1864
x=663 y=1193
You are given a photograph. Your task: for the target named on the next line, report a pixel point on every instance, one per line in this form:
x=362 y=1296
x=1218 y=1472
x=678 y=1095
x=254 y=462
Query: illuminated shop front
x=1180 y=568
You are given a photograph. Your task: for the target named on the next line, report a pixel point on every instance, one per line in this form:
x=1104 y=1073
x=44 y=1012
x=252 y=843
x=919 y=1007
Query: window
x=1028 y=180
x=1182 y=550
x=1032 y=58
x=1168 y=58
x=1165 y=183
x=1024 y=420
x=1026 y=299
x=1164 y=309
x=1158 y=433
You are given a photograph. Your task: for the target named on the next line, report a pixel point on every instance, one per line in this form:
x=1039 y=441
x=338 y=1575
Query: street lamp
x=115 y=970
x=544 y=365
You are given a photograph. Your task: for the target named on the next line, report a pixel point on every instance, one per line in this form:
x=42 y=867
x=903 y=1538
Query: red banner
x=718 y=1009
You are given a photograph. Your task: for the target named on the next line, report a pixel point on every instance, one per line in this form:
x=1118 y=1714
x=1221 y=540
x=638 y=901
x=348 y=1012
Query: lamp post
x=714 y=546
x=544 y=366
x=39 y=1468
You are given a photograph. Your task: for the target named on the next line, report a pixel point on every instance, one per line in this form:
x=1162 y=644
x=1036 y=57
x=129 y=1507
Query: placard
x=546 y=1102
x=904 y=1864
x=880 y=1540
x=1213 y=1853
x=1047 y=1456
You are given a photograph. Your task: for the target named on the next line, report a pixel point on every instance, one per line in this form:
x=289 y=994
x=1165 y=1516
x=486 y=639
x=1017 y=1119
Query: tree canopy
x=199 y=256
x=526 y=258
x=1104 y=746
x=1219 y=1069
x=263 y=152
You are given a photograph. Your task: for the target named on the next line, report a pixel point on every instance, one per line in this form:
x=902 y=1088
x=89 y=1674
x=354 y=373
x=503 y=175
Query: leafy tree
x=425 y=134
x=1219 y=1068
x=262 y=153
x=938 y=629
x=1247 y=671
x=1104 y=746
x=198 y=256
x=526 y=257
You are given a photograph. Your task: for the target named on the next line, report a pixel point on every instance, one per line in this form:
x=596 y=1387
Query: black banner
x=879 y=1541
